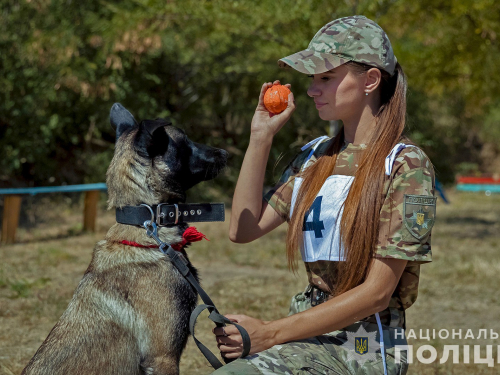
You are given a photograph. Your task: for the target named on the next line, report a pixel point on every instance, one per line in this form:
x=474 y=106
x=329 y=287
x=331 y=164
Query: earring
x=366 y=93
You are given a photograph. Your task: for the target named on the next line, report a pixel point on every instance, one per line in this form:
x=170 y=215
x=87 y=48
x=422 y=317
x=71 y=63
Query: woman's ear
x=373 y=77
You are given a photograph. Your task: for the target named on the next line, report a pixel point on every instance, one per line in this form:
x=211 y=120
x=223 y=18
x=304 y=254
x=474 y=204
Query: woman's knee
x=239 y=366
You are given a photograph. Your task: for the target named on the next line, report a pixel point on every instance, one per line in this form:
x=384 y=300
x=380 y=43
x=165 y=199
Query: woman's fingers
x=290 y=107
x=229 y=340
x=235 y=318
x=277 y=82
x=225 y=331
x=263 y=91
x=231 y=355
x=218 y=331
x=233 y=341
x=291 y=100
x=223 y=348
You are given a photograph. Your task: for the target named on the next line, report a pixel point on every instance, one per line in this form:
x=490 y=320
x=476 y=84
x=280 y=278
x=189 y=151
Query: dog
x=130 y=312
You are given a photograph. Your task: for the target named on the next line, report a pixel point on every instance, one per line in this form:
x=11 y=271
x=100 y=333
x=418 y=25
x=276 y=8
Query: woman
x=360 y=208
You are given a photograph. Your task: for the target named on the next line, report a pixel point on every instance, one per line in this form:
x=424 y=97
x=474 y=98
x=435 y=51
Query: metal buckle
x=159 y=215
x=317 y=296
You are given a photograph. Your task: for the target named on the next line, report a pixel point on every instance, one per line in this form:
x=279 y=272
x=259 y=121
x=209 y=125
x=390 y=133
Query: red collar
x=135 y=244
x=191 y=234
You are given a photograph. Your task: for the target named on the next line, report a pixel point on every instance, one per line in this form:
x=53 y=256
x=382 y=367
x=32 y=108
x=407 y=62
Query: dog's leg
x=161 y=365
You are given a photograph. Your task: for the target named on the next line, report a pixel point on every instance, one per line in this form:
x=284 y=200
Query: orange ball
x=276 y=98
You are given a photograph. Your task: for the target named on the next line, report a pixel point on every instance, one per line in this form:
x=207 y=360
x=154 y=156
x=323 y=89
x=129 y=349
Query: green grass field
x=458 y=290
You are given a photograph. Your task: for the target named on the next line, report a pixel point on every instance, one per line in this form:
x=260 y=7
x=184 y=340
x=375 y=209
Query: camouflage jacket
x=406 y=219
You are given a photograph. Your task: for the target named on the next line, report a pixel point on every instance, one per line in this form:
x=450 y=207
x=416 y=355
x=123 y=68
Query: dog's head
x=155 y=161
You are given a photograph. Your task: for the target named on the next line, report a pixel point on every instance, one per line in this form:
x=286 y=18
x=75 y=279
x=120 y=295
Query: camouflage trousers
x=329 y=354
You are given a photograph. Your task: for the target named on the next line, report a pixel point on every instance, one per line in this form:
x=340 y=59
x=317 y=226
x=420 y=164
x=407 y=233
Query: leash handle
x=214 y=361
x=217 y=318
x=220 y=321
x=182 y=265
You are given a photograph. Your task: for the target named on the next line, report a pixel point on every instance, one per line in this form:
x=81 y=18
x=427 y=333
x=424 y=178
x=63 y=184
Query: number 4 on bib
x=316 y=224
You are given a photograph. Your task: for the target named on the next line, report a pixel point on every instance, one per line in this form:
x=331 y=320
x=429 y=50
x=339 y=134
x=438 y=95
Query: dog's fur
x=130 y=312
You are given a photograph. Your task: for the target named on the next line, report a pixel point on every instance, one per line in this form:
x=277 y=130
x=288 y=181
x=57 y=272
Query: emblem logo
x=420 y=218
x=419 y=214
x=361 y=345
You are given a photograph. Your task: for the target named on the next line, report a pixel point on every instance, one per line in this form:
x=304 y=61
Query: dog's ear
x=150 y=126
x=152 y=137
x=121 y=120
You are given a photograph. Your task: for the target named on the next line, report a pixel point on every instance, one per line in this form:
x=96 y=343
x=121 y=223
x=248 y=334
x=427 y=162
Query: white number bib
x=321 y=228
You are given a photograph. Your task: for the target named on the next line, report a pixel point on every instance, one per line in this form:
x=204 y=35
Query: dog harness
x=321 y=229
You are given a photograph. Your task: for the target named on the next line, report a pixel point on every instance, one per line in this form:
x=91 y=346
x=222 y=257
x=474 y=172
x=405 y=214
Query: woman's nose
x=313 y=91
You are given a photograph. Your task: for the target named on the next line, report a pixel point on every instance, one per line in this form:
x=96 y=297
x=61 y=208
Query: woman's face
x=338 y=94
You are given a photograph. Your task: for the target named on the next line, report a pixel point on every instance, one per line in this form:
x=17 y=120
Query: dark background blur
x=202 y=63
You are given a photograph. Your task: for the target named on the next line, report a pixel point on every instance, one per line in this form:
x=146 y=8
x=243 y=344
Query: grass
x=458 y=290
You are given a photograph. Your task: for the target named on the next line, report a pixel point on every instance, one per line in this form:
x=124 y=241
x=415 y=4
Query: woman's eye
x=324 y=78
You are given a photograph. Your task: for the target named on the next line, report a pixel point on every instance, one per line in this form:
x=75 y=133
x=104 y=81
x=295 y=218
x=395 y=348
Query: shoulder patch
x=419 y=214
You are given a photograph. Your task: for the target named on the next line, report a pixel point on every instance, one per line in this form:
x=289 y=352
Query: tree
x=202 y=63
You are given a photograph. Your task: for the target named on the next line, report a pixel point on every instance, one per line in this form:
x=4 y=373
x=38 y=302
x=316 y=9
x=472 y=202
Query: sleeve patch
x=419 y=214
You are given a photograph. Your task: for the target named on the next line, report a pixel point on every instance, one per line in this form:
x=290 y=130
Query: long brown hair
x=360 y=218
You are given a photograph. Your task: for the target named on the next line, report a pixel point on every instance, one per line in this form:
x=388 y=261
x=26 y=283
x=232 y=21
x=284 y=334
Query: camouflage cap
x=354 y=38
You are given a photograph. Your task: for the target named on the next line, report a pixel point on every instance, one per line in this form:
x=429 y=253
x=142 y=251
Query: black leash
x=180 y=262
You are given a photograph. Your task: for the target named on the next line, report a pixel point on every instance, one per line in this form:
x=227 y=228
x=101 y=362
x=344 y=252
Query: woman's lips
x=319 y=105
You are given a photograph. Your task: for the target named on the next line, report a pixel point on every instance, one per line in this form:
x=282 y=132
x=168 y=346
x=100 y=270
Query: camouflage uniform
x=326 y=355
x=412 y=174
x=406 y=220
x=400 y=238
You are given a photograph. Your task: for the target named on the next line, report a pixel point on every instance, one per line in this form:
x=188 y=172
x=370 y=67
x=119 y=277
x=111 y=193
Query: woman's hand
x=265 y=123
x=229 y=340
